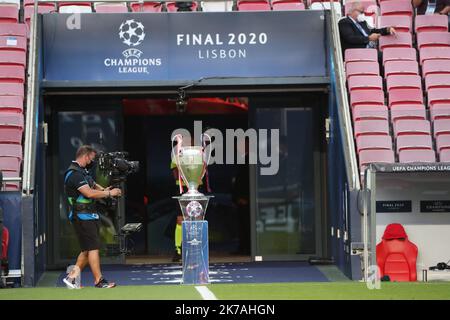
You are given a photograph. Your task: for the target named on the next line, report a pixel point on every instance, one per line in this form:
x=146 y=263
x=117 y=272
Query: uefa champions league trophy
x=191 y=162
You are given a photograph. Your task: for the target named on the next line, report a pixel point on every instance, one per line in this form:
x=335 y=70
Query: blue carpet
x=252 y=272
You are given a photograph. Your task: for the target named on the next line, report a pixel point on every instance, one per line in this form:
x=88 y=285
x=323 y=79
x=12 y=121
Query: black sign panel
x=394 y=206
x=435 y=206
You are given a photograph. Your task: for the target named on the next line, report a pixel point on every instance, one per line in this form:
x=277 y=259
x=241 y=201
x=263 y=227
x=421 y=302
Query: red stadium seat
x=431 y=22
x=13 y=29
x=13 y=43
x=414 y=142
x=441 y=126
x=12 y=57
x=438 y=96
x=408 y=112
x=9 y=164
x=370 y=112
x=444 y=156
x=396 y=255
x=352 y=55
x=11 y=89
x=401 y=68
x=280 y=5
x=249 y=5
x=435 y=67
x=442 y=142
x=147 y=6
x=371 y=127
x=411 y=127
x=375 y=142
x=399 y=54
x=12 y=74
x=74 y=7
x=11 y=104
x=434 y=53
x=368 y=68
x=11 y=127
x=11 y=135
x=439 y=111
x=9 y=13
x=405 y=96
x=399 y=40
x=400 y=23
x=13 y=120
x=433 y=81
x=29 y=10
x=396 y=82
x=104 y=7
x=365 y=82
x=367 y=157
x=366 y=97
x=396 y=8
x=433 y=39
x=411 y=156
x=11 y=150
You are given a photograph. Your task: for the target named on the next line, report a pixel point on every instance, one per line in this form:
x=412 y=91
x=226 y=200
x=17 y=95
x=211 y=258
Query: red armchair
x=396 y=255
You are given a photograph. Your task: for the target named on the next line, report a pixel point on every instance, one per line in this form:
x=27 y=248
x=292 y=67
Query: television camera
x=115 y=167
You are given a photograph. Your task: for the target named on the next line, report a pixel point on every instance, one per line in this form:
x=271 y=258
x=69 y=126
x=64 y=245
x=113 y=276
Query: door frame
x=318 y=101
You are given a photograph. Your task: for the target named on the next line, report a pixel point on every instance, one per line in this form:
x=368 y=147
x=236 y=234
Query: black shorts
x=88 y=233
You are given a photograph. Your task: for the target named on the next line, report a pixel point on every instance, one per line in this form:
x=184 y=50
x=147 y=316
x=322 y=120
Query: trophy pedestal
x=195 y=252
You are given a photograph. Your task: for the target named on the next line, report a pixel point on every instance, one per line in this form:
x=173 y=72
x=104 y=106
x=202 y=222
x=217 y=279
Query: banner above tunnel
x=183 y=46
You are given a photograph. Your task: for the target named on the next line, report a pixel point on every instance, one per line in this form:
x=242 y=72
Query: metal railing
x=31 y=114
x=345 y=121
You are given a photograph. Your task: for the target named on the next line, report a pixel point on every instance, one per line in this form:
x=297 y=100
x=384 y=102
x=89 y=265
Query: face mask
x=90 y=165
x=361 y=17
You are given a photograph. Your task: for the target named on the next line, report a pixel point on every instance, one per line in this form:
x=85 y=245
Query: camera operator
x=82 y=191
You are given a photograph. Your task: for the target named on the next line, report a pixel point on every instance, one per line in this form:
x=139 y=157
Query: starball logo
x=132 y=34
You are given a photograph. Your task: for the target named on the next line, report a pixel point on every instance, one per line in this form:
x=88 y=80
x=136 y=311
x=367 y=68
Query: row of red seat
x=401 y=128
x=13 y=52
x=9 y=13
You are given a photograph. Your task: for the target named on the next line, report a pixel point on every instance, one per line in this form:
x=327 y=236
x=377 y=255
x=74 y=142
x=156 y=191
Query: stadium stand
x=416 y=84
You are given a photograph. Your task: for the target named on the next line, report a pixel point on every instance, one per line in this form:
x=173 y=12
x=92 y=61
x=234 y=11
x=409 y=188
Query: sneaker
x=70 y=283
x=103 y=283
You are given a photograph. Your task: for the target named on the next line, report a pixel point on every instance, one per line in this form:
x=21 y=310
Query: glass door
x=287 y=205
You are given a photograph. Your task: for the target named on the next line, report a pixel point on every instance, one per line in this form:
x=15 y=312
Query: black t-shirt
x=440 y=5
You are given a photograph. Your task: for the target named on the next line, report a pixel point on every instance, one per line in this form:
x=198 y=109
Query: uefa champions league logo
x=131 y=32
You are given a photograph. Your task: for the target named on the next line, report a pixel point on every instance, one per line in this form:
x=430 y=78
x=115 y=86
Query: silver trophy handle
x=204 y=145
x=176 y=156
